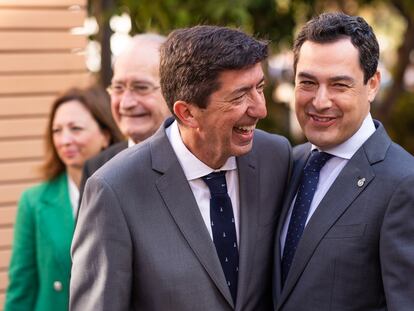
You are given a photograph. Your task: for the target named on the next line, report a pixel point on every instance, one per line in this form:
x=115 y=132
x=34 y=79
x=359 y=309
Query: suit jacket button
x=57 y=286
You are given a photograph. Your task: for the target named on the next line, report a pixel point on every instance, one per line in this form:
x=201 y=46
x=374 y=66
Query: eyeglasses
x=135 y=88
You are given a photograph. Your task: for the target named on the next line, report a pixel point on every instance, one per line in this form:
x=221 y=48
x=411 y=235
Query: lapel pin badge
x=361 y=182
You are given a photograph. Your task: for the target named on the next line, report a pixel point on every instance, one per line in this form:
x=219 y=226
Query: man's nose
x=257 y=105
x=322 y=99
x=128 y=100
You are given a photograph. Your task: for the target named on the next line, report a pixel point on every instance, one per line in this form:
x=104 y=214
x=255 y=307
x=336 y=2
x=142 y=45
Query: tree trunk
x=101 y=10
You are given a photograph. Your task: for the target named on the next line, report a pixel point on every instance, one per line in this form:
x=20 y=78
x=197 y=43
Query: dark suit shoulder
x=100 y=159
x=266 y=140
x=301 y=149
x=401 y=155
x=262 y=136
x=271 y=149
x=93 y=164
x=273 y=153
x=386 y=157
x=124 y=164
x=398 y=162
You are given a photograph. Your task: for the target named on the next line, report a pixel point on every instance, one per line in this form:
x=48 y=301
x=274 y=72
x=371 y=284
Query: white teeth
x=321 y=119
x=246 y=128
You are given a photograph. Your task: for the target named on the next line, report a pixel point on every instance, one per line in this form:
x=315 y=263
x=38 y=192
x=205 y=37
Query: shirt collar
x=348 y=148
x=73 y=194
x=193 y=168
x=130 y=142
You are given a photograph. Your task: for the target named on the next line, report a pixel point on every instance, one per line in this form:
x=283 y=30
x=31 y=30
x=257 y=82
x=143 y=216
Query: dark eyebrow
x=306 y=75
x=245 y=88
x=344 y=78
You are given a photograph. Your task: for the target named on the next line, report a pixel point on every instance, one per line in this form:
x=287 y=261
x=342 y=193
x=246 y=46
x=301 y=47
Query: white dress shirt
x=130 y=142
x=330 y=171
x=194 y=169
x=73 y=195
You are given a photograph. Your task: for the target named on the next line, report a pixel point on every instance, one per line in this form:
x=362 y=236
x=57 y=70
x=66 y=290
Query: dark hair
x=193 y=58
x=330 y=27
x=97 y=102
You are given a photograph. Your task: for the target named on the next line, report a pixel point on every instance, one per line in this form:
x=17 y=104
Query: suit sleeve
x=101 y=252
x=397 y=248
x=23 y=275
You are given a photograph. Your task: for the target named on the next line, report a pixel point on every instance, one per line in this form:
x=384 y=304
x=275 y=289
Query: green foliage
x=269 y=19
x=165 y=15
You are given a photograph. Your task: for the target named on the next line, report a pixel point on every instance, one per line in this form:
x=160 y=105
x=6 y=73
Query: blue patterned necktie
x=223 y=228
x=304 y=197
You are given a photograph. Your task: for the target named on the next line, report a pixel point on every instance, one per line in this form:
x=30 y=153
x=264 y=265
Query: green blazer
x=39 y=269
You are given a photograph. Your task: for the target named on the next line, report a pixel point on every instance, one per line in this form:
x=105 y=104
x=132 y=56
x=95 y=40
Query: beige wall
x=38 y=58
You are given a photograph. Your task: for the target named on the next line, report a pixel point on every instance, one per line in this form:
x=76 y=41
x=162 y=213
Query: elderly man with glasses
x=137 y=104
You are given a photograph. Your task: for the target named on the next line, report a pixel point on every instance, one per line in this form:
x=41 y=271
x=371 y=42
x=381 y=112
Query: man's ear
x=186 y=113
x=373 y=86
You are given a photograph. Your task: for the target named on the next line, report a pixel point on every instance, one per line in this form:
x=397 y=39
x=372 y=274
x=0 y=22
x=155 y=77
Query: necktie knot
x=316 y=161
x=216 y=182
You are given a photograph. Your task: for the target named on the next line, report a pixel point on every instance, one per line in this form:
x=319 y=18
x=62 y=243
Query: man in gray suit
x=186 y=219
x=345 y=239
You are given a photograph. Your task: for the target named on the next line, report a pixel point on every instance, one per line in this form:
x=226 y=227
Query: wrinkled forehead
x=142 y=60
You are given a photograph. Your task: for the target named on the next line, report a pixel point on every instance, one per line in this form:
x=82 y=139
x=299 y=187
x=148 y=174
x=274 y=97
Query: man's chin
x=240 y=150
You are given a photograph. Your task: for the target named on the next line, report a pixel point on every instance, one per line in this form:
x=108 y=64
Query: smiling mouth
x=137 y=115
x=247 y=129
x=321 y=119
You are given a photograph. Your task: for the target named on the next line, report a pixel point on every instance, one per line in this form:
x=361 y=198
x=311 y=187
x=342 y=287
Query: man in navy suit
x=345 y=239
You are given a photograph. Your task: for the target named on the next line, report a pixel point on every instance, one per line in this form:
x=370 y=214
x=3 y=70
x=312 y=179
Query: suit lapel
x=343 y=192
x=57 y=221
x=249 y=218
x=298 y=165
x=184 y=210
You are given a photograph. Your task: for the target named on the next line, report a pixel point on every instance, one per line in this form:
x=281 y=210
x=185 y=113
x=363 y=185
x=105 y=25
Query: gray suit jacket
x=92 y=165
x=357 y=250
x=141 y=243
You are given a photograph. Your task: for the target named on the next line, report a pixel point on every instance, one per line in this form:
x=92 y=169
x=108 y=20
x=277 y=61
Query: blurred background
x=47 y=46
x=112 y=21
